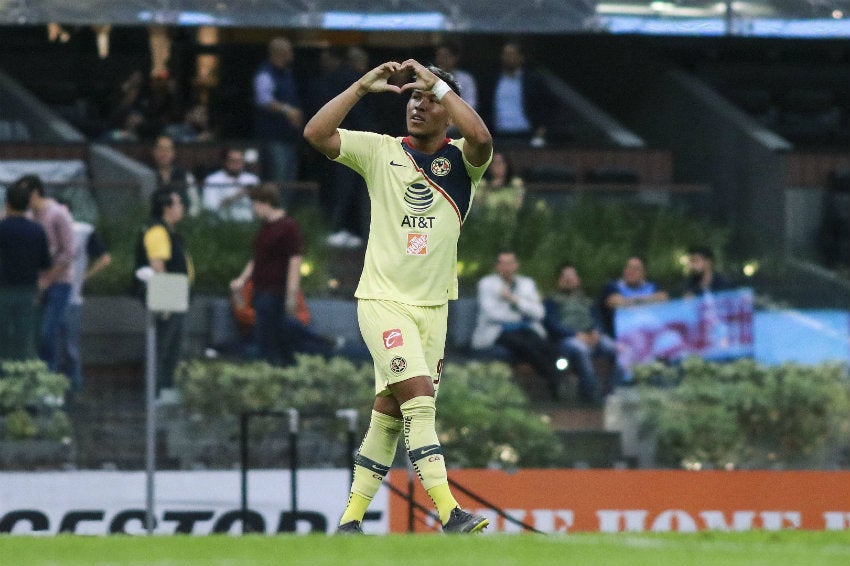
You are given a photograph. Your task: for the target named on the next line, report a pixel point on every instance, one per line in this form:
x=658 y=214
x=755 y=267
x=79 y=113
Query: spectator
x=521 y=103
x=631 y=289
x=23 y=254
x=225 y=191
x=132 y=99
x=446 y=56
x=341 y=188
x=55 y=282
x=90 y=257
x=702 y=277
x=275 y=269
x=572 y=323
x=169 y=175
x=161 y=248
x=501 y=189
x=304 y=338
x=128 y=129
x=278 y=116
x=194 y=128
x=510 y=313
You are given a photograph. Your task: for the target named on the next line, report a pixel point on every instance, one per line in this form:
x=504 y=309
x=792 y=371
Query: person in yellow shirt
x=161 y=248
x=420 y=188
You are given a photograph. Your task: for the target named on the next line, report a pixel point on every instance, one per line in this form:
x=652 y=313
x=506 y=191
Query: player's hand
x=376 y=80
x=423 y=79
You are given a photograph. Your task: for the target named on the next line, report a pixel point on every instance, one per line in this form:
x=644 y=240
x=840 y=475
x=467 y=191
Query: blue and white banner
x=715 y=326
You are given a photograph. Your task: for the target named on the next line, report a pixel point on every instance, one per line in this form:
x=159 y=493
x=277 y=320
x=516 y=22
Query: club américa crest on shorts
x=398 y=364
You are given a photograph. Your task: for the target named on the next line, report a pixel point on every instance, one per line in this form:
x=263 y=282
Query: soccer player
x=420 y=187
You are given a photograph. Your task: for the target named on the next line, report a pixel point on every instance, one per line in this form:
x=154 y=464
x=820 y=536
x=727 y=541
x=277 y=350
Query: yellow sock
x=356 y=508
x=443 y=500
x=423 y=448
x=371 y=464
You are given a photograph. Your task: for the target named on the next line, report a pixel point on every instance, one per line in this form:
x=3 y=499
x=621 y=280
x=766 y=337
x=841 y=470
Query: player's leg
x=375 y=455
x=372 y=461
x=416 y=397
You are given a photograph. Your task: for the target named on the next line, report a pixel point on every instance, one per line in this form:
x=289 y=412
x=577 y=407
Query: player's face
x=425 y=115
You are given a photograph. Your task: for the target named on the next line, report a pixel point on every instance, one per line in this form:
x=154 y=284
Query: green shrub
x=596 y=235
x=483 y=418
x=28 y=395
x=745 y=415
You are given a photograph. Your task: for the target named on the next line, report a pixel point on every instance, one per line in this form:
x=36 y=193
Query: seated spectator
x=128 y=129
x=572 y=324
x=702 y=277
x=631 y=289
x=225 y=191
x=500 y=188
x=510 y=314
x=169 y=175
x=194 y=128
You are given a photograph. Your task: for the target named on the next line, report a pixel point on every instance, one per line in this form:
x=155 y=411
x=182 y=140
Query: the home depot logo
x=417 y=244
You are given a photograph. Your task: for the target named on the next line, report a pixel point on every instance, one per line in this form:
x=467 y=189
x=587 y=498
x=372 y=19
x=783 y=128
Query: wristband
x=440 y=89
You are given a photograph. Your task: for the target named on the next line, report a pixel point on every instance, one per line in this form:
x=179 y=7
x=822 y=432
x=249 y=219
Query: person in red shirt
x=275 y=269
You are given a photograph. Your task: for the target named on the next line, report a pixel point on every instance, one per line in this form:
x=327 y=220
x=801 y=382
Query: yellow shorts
x=405 y=340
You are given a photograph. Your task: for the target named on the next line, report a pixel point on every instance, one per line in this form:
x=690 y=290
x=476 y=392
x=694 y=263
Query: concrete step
x=566 y=418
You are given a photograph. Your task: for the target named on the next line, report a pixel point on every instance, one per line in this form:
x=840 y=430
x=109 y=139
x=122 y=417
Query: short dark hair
x=447 y=77
x=268 y=193
x=704 y=251
x=160 y=200
x=18 y=197
x=32 y=183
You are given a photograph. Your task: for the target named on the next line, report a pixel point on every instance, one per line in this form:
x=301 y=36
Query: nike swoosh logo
x=394 y=164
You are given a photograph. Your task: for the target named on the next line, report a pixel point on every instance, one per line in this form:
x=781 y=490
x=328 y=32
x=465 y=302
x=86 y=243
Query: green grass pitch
x=755 y=548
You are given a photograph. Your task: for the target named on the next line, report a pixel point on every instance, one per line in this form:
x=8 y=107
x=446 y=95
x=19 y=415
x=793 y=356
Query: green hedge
x=30 y=402
x=483 y=418
x=596 y=235
x=745 y=415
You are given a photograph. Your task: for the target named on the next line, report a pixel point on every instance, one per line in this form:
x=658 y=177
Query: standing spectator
x=278 y=116
x=169 y=175
x=161 y=248
x=275 y=270
x=630 y=289
x=420 y=188
x=446 y=57
x=510 y=315
x=225 y=191
x=702 y=278
x=23 y=254
x=520 y=102
x=341 y=188
x=90 y=257
x=55 y=282
x=572 y=323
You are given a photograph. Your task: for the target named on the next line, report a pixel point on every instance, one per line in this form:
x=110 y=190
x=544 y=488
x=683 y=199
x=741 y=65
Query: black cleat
x=462 y=521
x=350 y=528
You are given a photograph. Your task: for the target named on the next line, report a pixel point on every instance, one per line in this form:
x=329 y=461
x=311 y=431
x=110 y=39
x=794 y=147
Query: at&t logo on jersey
x=418 y=198
x=441 y=167
x=393 y=339
x=417 y=244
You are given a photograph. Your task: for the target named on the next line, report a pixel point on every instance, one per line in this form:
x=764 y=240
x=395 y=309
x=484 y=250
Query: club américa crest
x=441 y=167
x=398 y=364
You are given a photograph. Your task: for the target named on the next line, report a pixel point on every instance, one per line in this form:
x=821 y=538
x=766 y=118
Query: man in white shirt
x=225 y=191
x=510 y=315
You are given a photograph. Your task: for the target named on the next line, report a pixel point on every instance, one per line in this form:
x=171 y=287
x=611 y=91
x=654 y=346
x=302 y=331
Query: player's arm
x=321 y=131
x=478 y=143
